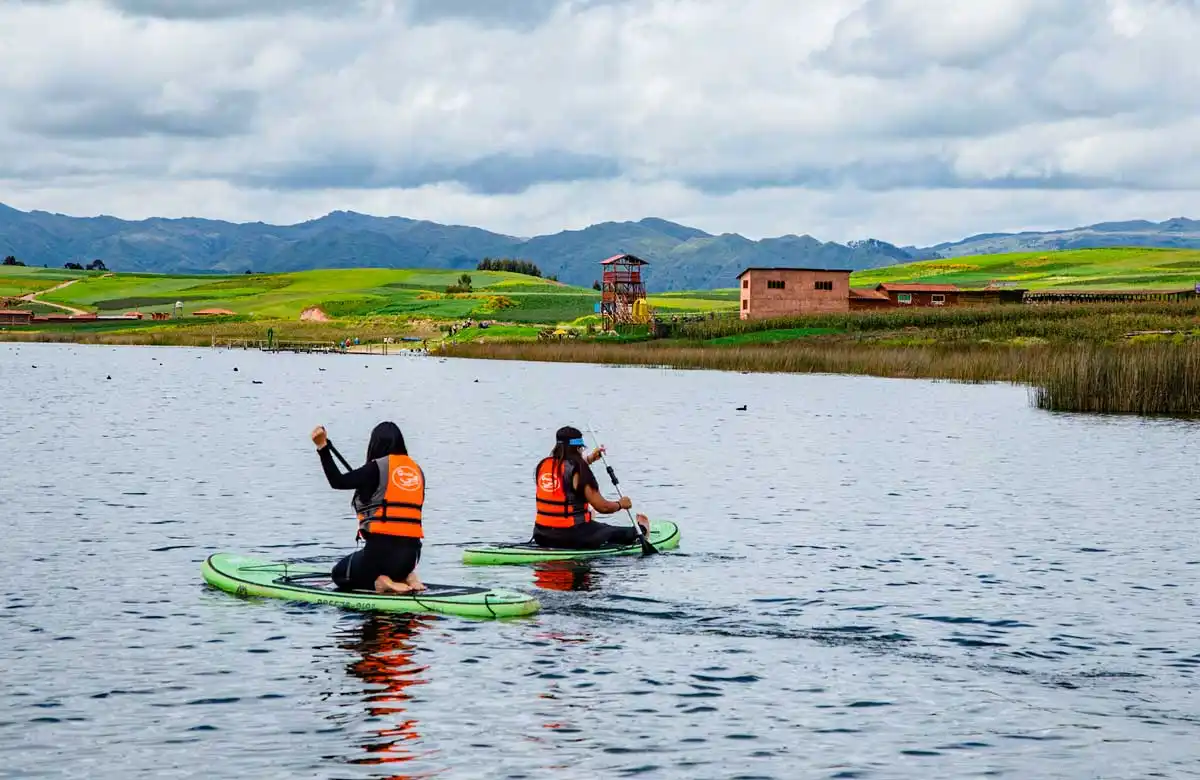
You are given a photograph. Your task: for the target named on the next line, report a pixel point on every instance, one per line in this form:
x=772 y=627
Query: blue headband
x=576 y=442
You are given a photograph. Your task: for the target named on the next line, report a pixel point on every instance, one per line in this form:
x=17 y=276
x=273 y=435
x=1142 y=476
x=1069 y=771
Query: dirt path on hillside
x=33 y=298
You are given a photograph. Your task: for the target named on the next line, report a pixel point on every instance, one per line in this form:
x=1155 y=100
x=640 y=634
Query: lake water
x=877 y=579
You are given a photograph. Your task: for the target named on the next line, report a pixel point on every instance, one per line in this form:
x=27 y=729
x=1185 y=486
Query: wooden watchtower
x=622 y=291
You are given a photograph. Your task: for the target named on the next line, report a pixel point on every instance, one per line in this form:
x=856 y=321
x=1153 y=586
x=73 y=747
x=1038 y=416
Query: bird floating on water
x=741 y=408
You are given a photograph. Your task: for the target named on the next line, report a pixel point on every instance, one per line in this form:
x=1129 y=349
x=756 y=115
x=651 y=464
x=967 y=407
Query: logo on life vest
x=549 y=482
x=406 y=478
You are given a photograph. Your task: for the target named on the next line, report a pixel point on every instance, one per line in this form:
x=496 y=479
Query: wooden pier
x=272 y=345
x=386 y=347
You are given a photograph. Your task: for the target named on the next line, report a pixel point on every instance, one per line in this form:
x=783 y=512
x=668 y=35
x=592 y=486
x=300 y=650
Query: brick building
x=779 y=292
x=869 y=298
x=782 y=292
x=920 y=294
x=15 y=317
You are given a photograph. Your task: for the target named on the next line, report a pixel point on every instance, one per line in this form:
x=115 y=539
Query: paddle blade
x=647 y=548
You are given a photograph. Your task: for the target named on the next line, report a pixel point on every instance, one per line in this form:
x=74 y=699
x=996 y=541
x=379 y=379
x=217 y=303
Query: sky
x=911 y=121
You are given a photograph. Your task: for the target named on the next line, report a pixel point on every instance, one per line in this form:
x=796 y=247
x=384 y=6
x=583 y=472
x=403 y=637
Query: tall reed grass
x=1072 y=322
x=1151 y=379
x=979 y=363
x=1143 y=379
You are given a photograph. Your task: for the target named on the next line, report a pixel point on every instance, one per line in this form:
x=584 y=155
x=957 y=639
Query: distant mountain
x=1178 y=233
x=680 y=257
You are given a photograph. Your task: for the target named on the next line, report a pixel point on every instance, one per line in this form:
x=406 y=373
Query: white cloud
x=909 y=120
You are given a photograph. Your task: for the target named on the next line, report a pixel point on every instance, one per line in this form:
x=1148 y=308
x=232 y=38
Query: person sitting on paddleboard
x=389 y=493
x=565 y=488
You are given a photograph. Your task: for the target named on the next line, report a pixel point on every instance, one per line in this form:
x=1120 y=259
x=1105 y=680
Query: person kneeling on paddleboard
x=389 y=493
x=565 y=488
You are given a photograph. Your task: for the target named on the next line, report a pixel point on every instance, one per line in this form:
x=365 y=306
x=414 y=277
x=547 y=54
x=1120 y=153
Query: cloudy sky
x=914 y=121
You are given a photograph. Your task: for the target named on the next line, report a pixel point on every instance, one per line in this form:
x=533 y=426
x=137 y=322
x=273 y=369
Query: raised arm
x=364 y=478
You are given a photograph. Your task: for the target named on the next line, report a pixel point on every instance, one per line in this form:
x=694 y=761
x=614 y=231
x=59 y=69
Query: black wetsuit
x=394 y=556
x=588 y=535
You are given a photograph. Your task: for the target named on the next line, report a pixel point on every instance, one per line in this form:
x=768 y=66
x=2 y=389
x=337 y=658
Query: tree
x=96 y=265
x=10 y=260
x=73 y=266
x=249 y=271
x=462 y=286
x=596 y=286
x=510 y=265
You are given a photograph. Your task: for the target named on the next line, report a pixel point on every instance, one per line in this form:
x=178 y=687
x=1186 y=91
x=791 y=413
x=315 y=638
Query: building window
x=938 y=299
x=745 y=283
x=745 y=305
x=823 y=286
x=775 y=284
x=903 y=297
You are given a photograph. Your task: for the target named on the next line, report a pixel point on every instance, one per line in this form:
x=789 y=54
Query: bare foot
x=414 y=583
x=644 y=522
x=385 y=584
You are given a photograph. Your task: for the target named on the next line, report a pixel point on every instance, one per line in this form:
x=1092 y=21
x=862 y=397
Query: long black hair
x=386 y=439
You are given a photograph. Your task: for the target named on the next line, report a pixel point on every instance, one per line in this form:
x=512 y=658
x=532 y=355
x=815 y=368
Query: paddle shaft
x=338 y=455
x=647 y=548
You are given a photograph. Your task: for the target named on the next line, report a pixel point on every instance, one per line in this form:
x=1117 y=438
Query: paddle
x=647 y=548
x=338 y=455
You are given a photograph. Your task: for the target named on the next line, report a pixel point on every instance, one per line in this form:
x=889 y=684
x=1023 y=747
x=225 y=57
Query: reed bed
x=980 y=363
x=1070 y=322
x=1146 y=379
x=1158 y=379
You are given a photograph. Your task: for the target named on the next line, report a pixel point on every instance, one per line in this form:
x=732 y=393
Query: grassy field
x=1115 y=269
x=16 y=281
x=340 y=293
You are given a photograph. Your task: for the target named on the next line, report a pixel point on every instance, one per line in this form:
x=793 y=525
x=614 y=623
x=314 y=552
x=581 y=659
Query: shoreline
x=1141 y=358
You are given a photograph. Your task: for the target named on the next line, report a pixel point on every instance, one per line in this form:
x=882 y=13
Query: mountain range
x=680 y=257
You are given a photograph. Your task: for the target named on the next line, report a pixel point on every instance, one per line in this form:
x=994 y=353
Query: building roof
x=781 y=268
x=868 y=294
x=212 y=311
x=918 y=287
x=625 y=259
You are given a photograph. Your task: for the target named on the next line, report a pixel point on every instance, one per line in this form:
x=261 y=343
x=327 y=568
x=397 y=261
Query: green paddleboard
x=246 y=576
x=664 y=535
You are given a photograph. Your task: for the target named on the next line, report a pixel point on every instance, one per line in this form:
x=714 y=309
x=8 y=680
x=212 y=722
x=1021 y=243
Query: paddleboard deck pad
x=664 y=535
x=247 y=576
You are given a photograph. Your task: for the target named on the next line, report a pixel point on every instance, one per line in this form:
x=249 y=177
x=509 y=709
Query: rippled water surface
x=878 y=578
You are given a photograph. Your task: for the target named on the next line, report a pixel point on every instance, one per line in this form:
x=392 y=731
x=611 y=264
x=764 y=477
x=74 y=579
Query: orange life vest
x=554 y=508
x=394 y=509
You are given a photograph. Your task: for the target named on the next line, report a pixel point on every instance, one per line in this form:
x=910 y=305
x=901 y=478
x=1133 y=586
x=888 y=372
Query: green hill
x=1107 y=268
x=508 y=297
x=338 y=293
x=680 y=257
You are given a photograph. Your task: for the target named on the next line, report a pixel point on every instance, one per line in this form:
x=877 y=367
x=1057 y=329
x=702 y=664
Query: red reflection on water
x=565 y=575
x=385 y=647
